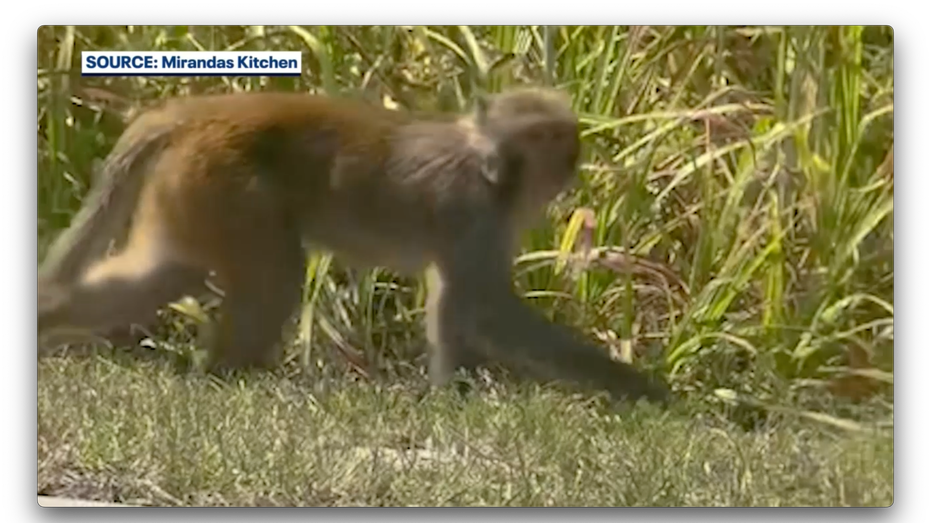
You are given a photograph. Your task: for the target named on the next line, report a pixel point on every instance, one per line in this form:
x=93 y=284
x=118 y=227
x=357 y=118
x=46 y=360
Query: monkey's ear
x=481 y=110
x=489 y=157
x=491 y=167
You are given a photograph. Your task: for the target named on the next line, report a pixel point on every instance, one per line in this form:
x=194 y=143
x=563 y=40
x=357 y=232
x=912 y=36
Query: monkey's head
x=535 y=137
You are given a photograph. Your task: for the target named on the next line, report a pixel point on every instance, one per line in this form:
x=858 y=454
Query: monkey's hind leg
x=116 y=292
x=261 y=292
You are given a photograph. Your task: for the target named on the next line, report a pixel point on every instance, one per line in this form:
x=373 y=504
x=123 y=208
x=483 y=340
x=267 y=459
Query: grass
x=732 y=230
x=114 y=429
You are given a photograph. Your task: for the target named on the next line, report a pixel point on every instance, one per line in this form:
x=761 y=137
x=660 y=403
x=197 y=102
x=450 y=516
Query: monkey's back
x=345 y=172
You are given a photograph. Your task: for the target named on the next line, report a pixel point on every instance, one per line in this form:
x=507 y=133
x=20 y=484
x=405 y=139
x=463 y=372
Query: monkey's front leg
x=450 y=347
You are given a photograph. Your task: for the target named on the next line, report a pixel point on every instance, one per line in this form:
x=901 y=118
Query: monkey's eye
x=544 y=135
x=537 y=135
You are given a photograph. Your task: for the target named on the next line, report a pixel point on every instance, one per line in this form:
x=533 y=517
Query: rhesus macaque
x=240 y=185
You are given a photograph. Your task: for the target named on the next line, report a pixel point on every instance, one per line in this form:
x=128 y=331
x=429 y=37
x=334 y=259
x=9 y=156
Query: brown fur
x=239 y=184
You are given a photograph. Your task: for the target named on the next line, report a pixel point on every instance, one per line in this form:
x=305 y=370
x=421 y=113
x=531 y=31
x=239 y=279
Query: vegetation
x=733 y=230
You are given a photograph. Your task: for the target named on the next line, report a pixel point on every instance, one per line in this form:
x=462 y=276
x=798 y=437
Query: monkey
x=238 y=187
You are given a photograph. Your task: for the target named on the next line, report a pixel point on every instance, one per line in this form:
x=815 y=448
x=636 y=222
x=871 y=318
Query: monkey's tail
x=107 y=209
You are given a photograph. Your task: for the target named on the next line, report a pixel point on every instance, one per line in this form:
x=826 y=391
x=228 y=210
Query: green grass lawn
x=120 y=429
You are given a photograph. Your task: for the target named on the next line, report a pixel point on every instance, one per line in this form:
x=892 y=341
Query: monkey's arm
x=479 y=291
